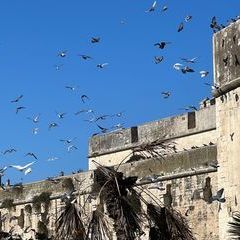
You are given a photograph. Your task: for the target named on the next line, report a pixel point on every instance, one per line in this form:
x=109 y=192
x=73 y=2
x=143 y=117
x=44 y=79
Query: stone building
x=201 y=156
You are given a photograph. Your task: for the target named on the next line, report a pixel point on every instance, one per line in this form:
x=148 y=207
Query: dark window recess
x=191 y=120
x=134 y=134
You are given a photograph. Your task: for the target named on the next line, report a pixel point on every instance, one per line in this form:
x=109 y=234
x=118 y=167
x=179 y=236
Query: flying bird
x=158 y=59
x=187 y=70
x=166 y=94
x=203 y=74
x=58 y=66
x=72 y=88
x=35 y=131
x=11 y=150
x=95 y=39
x=22 y=168
x=60 y=115
x=84 y=98
x=188 y=18
x=71 y=147
x=84 y=57
x=27 y=171
x=67 y=141
x=52 y=125
x=19 y=108
x=161 y=45
x=153 y=7
x=164 y=8
x=62 y=54
x=102 y=65
x=177 y=66
x=34 y=119
x=180 y=27
x=17 y=99
x=31 y=155
x=187 y=60
x=219 y=196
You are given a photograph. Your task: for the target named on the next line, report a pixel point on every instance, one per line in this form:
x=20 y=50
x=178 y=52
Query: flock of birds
x=184 y=67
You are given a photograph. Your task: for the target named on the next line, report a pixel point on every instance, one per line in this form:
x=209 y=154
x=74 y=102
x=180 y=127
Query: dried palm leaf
x=234 y=226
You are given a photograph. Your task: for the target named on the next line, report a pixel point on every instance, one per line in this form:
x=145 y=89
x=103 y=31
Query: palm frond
x=69 y=225
x=234 y=225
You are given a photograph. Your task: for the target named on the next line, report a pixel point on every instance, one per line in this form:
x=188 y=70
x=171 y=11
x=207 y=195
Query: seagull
x=31 y=155
x=71 y=147
x=84 y=98
x=60 y=115
x=180 y=27
x=85 y=57
x=102 y=65
x=177 y=66
x=95 y=39
x=71 y=88
x=52 y=125
x=188 y=18
x=18 y=109
x=22 y=168
x=203 y=73
x=192 y=60
x=103 y=129
x=153 y=7
x=62 y=54
x=158 y=59
x=35 y=119
x=17 y=99
x=214 y=25
x=12 y=150
x=161 y=45
x=166 y=94
x=52 y=159
x=57 y=67
x=29 y=170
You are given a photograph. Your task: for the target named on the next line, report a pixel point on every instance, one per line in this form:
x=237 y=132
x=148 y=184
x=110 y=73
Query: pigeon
x=12 y=150
x=19 y=108
x=85 y=57
x=35 y=131
x=180 y=27
x=161 y=45
x=67 y=141
x=95 y=39
x=62 y=54
x=152 y=8
x=188 y=18
x=166 y=94
x=84 y=98
x=58 y=67
x=60 y=115
x=203 y=73
x=187 y=70
x=52 y=125
x=102 y=65
x=22 y=168
x=158 y=59
x=193 y=108
x=31 y=155
x=17 y=99
x=34 y=119
x=164 y=8
x=218 y=197
x=71 y=147
x=70 y=88
x=52 y=159
x=214 y=25
x=177 y=66
x=84 y=111
x=191 y=60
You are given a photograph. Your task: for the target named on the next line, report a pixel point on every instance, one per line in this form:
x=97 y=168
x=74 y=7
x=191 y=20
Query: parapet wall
x=164 y=129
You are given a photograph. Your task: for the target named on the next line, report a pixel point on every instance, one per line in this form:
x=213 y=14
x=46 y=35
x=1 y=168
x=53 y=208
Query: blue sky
x=33 y=32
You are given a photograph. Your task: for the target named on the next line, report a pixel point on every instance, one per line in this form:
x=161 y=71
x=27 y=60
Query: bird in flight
x=27 y=171
x=58 y=66
x=52 y=125
x=84 y=98
x=153 y=7
x=180 y=27
x=102 y=65
x=11 y=150
x=35 y=119
x=203 y=73
x=22 y=168
x=60 y=115
x=161 y=45
x=31 y=155
x=166 y=94
x=187 y=70
x=19 y=108
x=62 y=54
x=71 y=147
x=187 y=60
x=84 y=111
x=164 y=8
x=95 y=39
x=158 y=59
x=67 y=141
x=84 y=57
x=35 y=131
x=72 y=88
x=17 y=99
x=188 y=18
x=177 y=66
